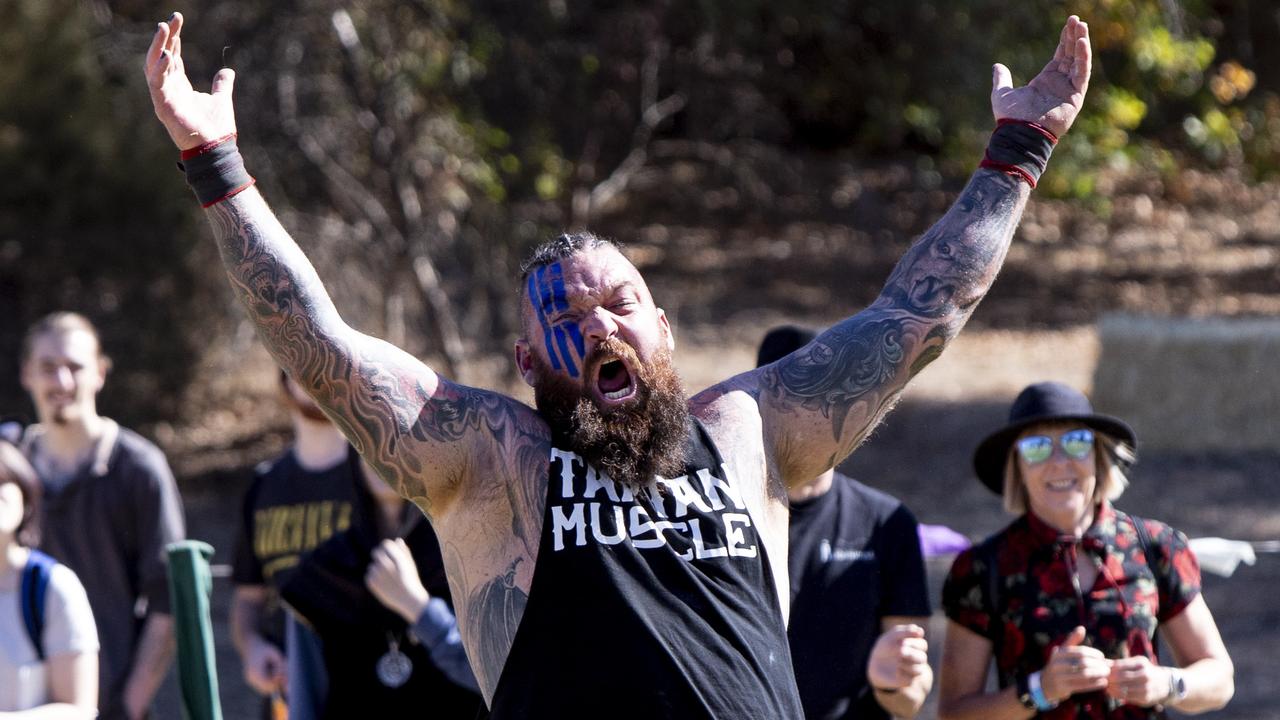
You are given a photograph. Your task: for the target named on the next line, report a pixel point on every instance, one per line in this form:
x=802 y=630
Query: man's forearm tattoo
x=853 y=373
x=374 y=397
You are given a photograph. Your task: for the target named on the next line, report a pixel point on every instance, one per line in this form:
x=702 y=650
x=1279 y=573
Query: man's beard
x=632 y=442
x=64 y=414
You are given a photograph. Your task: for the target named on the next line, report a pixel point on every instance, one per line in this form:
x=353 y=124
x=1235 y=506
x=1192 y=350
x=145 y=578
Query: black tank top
x=651 y=604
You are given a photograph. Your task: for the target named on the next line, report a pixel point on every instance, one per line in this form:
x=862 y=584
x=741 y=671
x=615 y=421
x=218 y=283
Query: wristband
x=1023 y=691
x=215 y=171
x=1043 y=704
x=1019 y=148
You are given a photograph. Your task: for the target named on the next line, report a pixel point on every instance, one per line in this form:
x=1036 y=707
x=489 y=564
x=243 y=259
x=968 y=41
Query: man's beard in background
x=633 y=442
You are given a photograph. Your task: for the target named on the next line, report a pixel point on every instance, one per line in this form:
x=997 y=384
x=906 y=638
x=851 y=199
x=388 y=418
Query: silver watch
x=1177 y=688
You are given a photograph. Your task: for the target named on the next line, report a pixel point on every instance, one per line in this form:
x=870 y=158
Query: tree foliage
x=416 y=148
x=91 y=217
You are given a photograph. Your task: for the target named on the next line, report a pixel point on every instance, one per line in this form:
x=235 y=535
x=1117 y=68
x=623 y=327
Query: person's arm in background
x=393 y=579
x=264 y=664
x=898 y=669
x=1200 y=653
x=151 y=661
x=1191 y=633
x=54 y=711
x=308 y=680
x=160 y=522
x=71 y=667
x=966 y=658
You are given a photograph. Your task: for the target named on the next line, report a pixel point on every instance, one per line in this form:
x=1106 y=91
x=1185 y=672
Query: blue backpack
x=35 y=584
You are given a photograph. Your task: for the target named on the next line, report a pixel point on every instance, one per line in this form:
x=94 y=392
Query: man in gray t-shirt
x=110 y=508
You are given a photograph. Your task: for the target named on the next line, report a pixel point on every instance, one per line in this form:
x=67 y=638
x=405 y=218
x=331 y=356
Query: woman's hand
x=1074 y=668
x=1138 y=681
x=392 y=577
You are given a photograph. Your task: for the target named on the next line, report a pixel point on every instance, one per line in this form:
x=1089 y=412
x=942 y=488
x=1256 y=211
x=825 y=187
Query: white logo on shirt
x=615 y=516
x=828 y=554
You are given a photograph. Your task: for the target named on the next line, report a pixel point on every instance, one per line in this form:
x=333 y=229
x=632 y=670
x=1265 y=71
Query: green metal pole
x=190 y=587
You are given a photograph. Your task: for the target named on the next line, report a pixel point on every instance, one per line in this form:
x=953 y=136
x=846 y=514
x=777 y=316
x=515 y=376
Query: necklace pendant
x=394 y=667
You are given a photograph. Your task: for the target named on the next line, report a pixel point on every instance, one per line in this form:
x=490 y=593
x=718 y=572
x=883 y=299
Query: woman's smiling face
x=1058 y=465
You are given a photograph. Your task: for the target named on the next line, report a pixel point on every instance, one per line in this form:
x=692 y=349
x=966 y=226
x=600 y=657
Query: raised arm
x=420 y=432
x=820 y=402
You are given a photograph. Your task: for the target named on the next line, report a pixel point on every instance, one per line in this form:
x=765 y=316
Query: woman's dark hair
x=15 y=469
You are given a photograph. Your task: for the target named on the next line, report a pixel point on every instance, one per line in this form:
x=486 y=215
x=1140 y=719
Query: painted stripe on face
x=547 y=295
x=542 y=319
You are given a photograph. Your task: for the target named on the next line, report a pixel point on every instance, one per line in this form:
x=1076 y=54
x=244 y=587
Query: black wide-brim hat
x=1042 y=403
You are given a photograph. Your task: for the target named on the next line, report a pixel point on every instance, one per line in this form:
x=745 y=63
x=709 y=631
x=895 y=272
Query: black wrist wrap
x=1019 y=148
x=215 y=171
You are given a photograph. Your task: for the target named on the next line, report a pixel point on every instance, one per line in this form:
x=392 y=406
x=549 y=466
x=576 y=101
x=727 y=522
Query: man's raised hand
x=1053 y=98
x=192 y=118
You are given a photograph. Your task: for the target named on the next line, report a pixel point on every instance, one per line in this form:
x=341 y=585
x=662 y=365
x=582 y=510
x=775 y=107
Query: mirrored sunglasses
x=1075 y=444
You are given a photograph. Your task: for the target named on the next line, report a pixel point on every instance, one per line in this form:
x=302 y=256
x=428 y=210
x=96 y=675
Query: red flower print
x=1139 y=643
x=1186 y=568
x=1054 y=581
x=1013 y=560
x=1013 y=647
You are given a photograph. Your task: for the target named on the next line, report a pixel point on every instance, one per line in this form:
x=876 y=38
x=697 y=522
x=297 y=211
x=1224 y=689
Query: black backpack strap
x=986 y=552
x=1149 y=549
x=35 y=586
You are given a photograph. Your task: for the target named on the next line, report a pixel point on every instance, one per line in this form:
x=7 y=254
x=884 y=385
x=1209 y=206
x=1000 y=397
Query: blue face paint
x=547 y=295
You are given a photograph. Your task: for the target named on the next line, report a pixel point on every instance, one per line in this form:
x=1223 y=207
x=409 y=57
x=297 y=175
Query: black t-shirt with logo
x=653 y=603
x=287 y=511
x=855 y=558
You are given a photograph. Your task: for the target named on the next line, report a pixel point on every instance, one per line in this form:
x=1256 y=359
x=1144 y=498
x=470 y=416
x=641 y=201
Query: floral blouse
x=1038 y=604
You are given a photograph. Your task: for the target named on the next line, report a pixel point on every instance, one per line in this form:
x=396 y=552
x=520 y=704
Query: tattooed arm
x=820 y=402
x=420 y=432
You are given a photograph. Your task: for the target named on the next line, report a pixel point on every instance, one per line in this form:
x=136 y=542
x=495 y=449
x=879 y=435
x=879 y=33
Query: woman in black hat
x=1068 y=597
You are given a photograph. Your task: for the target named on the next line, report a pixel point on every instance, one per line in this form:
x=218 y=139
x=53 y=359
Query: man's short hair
x=782 y=341
x=563 y=246
x=61 y=322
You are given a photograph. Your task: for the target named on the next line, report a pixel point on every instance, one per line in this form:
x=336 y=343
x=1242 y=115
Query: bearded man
x=617 y=552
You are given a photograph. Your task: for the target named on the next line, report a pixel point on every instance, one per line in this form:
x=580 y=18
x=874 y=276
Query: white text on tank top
x=702 y=517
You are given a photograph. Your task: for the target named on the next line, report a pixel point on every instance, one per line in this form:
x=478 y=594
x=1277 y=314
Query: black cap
x=782 y=341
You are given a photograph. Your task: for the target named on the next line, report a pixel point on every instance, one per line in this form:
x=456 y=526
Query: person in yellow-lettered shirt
x=296 y=502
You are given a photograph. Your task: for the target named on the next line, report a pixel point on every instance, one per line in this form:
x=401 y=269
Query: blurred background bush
x=417 y=148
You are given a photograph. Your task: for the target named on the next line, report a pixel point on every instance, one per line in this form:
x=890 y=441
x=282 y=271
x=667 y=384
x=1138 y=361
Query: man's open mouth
x=613 y=381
